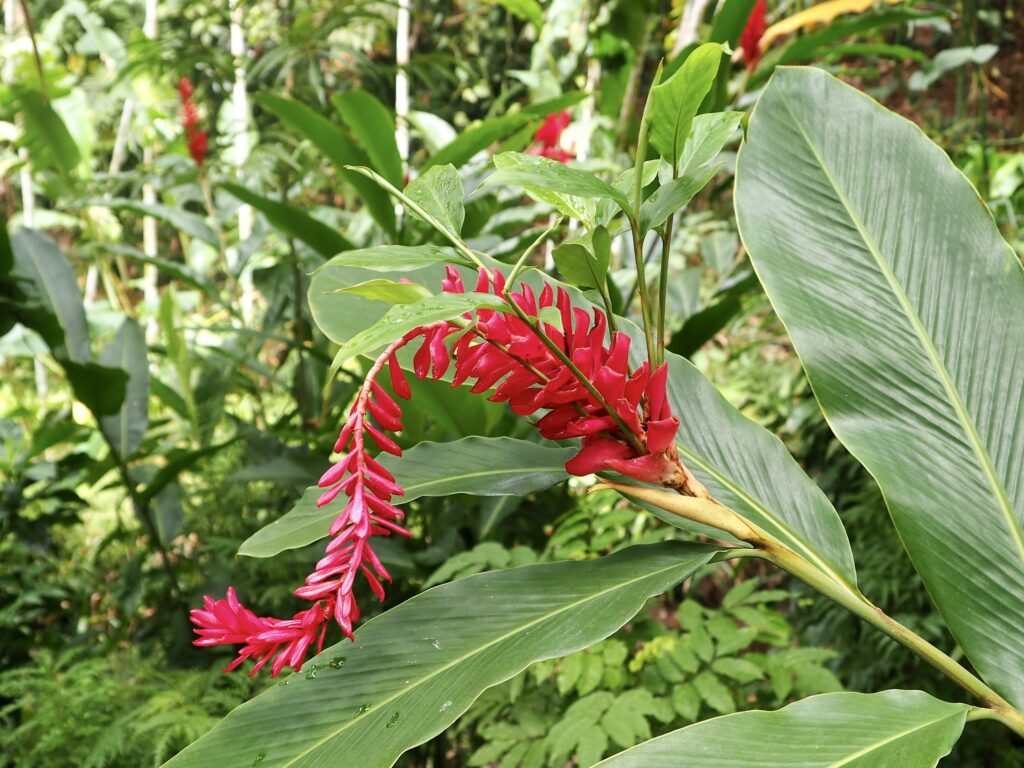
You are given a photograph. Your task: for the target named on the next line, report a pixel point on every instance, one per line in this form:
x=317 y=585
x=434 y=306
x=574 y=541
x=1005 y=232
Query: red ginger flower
x=197 y=139
x=548 y=136
x=495 y=350
x=750 y=39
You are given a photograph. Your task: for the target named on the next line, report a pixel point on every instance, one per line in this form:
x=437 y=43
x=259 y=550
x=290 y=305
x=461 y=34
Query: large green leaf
x=907 y=310
x=325 y=240
x=675 y=102
x=414 y=670
x=189 y=223
x=50 y=302
x=127 y=351
x=482 y=466
x=336 y=147
x=374 y=128
x=892 y=729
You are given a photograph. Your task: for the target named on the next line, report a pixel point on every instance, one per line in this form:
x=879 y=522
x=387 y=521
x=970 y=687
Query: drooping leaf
x=325 y=240
x=398 y=258
x=50 y=302
x=336 y=147
x=412 y=671
x=946 y=61
x=543 y=176
x=476 y=139
x=389 y=291
x=481 y=466
x=439 y=191
x=374 y=128
x=177 y=270
x=180 y=219
x=45 y=135
x=820 y=42
x=673 y=196
x=908 y=729
x=906 y=308
x=675 y=101
x=403 y=318
x=101 y=388
x=127 y=351
x=700 y=327
x=583 y=261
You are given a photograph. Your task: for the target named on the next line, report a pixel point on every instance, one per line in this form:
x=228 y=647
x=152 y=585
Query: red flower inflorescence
x=547 y=138
x=750 y=39
x=621 y=414
x=196 y=138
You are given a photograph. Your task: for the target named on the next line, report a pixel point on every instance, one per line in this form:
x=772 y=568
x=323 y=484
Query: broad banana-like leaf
x=908 y=729
x=907 y=309
x=414 y=670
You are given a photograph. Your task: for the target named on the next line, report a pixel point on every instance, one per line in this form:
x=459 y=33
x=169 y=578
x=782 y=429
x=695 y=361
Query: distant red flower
x=549 y=135
x=750 y=39
x=195 y=137
x=493 y=350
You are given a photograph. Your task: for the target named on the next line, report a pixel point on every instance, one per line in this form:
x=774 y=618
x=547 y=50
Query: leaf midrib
x=966 y=422
x=806 y=550
x=501 y=638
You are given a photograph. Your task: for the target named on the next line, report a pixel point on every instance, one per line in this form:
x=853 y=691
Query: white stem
x=402 y=81
x=240 y=110
x=689 y=25
x=150 y=291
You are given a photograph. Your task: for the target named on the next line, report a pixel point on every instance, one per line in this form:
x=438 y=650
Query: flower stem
x=666 y=246
x=769 y=548
x=863 y=608
x=641 y=282
x=521 y=264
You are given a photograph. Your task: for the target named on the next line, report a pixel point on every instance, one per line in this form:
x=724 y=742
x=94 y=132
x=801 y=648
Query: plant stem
x=641 y=282
x=521 y=264
x=35 y=50
x=666 y=247
x=860 y=606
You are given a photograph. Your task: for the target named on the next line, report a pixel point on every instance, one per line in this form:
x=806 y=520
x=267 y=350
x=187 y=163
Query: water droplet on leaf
x=336 y=662
x=259 y=758
x=393 y=719
x=446 y=706
x=363 y=709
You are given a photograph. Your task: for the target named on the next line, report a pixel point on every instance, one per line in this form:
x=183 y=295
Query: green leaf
x=479 y=137
x=333 y=142
x=906 y=308
x=730 y=19
x=673 y=197
x=44 y=133
x=583 y=261
x=439 y=192
x=177 y=270
x=708 y=134
x=398 y=258
x=412 y=671
x=946 y=61
x=180 y=219
x=127 y=351
x=49 y=300
x=727 y=303
x=545 y=177
x=748 y=469
x=481 y=466
x=686 y=701
x=100 y=388
x=390 y=291
x=675 y=102
x=908 y=729
x=399 y=320
x=325 y=240
x=527 y=10
x=374 y=128
x=714 y=693
x=740 y=670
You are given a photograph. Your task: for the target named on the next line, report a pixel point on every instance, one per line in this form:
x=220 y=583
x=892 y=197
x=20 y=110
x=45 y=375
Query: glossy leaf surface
x=906 y=308
x=414 y=670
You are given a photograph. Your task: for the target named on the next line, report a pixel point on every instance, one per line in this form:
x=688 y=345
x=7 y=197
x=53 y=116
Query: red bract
x=548 y=136
x=621 y=414
x=197 y=139
x=750 y=39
